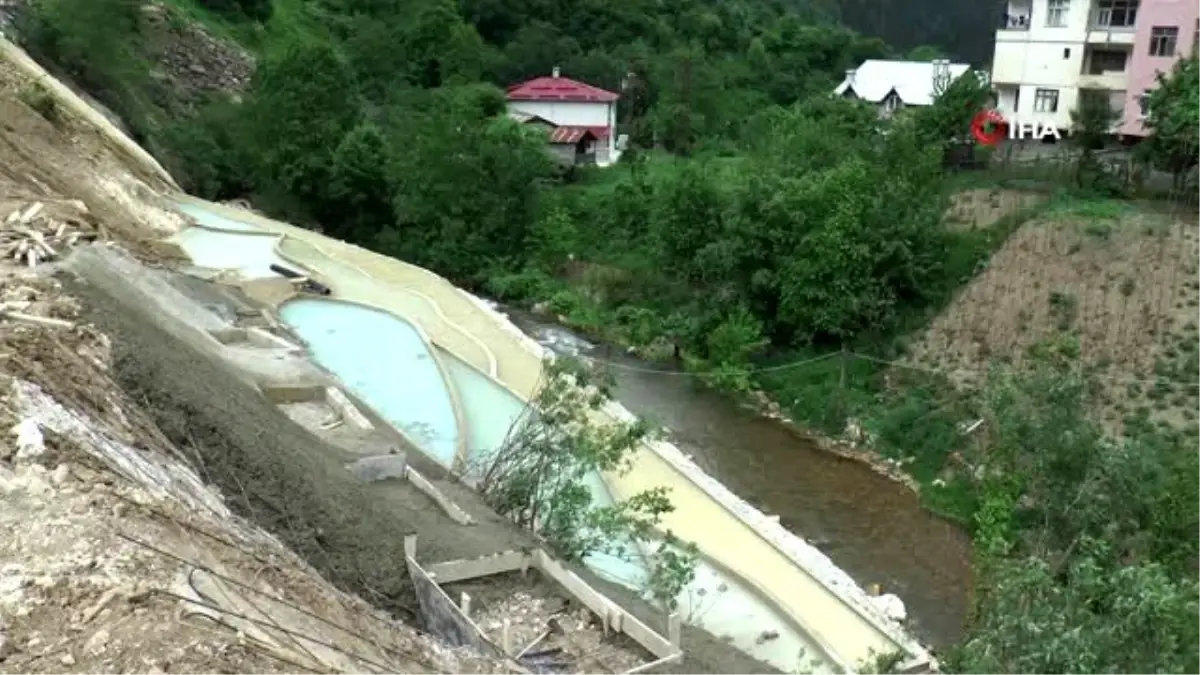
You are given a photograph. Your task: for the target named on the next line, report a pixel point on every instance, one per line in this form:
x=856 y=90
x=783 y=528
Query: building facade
x=573 y=106
x=1166 y=31
x=1047 y=51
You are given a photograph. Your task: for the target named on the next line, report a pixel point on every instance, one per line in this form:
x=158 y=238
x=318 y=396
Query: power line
x=866 y=357
x=685 y=373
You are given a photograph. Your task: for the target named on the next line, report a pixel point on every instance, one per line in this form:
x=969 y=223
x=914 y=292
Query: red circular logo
x=989 y=127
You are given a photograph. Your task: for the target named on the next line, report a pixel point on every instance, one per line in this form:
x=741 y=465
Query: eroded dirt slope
x=114 y=556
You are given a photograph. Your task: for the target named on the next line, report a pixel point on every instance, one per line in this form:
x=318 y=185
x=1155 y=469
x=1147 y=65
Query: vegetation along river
x=870 y=526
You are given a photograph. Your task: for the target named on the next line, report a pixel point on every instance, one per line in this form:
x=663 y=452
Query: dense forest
x=753 y=219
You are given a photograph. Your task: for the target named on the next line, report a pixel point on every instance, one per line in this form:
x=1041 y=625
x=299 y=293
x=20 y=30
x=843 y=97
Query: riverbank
x=873 y=528
x=854 y=446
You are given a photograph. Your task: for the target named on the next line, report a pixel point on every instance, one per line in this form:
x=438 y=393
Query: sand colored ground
x=727 y=531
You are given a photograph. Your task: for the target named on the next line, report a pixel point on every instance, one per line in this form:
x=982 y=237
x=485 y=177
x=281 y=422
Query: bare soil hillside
x=1118 y=278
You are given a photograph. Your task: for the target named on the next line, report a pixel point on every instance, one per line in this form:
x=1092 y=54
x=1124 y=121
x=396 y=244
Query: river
x=873 y=528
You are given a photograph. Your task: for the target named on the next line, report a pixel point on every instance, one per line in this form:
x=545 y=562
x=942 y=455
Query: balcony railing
x=1014 y=22
x=1107 y=20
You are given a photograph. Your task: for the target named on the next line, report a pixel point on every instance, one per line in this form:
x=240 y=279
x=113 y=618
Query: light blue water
x=491 y=412
x=210 y=219
x=490 y=409
x=251 y=255
x=383 y=361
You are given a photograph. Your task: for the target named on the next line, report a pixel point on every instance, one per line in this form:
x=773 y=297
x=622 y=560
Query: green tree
x=303 y=104
x=209 y=153
x=1088 y=615
x=867 y=239
x=359 y=197
x=947 y=122
x=1174 y=105
x=1092 y=123
x=96 y=44
x=925 y=53
x=1087 y=561
x=255 y=10
x=466 y=185
x=540 y=478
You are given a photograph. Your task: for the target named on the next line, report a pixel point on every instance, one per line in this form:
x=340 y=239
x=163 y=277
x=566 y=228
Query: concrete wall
x=443 y=617
x=575 y=114
x=1143 y=68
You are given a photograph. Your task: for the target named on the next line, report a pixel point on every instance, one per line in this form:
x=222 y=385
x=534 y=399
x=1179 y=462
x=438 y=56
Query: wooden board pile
x=30 y=235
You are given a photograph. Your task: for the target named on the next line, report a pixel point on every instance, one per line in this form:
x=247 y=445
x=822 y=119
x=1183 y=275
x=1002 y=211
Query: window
x=1056 y=13
x=1106 y=61
x=1066 y=52
x=1163 y=39
x=1116 y=13
x=1045 y=101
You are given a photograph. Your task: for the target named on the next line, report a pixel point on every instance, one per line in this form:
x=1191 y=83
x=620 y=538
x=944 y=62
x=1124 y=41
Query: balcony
x=1014 y=23
x=1104 y=68
x=1113 y=22
x=1110 y=81
x=1017 y=22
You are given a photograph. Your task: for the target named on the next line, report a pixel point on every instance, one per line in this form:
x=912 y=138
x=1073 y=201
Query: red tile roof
x=570 y=135
x=559 y=89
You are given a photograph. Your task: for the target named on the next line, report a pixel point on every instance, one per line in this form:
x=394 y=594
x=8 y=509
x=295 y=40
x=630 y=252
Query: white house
x=896 y=84
x=574 y=107
x=1048 y=50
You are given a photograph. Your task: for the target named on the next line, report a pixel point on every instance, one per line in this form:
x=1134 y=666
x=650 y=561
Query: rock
x=381 y=467
x=98 y=643
x=541 y=308
x=61 y=474
x=67 y=659
x=30 y=442
x=767 y=636
x=891 y=606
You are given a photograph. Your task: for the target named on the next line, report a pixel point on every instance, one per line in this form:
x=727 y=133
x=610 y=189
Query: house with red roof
x=584 y=117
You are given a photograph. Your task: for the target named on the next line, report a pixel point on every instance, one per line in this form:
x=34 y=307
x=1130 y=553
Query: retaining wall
x=665 y=649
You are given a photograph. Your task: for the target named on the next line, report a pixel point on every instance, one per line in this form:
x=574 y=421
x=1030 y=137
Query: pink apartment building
x=1050 y=51
x=1166 y=31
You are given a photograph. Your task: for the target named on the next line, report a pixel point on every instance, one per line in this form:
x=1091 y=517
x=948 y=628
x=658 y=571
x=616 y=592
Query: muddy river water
x=871 y=527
